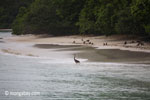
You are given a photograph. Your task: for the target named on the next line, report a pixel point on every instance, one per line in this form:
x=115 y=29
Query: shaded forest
x=67 y=17
x=9 y=10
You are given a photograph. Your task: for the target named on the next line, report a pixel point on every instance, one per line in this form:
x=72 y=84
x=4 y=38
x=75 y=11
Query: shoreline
x=113 y=42
x=64 y=47
x=5 y=30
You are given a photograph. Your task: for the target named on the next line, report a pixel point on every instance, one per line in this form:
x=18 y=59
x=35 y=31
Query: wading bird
x=75 y=60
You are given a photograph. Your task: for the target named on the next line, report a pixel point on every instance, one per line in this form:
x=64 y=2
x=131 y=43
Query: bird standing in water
x=75 y=60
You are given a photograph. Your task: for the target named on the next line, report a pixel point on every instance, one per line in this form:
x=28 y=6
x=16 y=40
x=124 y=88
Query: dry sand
x=113 y=42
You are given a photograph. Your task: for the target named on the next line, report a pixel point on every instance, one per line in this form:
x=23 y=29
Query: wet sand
x=101 y=55
x=54 y=46
x=116 y=55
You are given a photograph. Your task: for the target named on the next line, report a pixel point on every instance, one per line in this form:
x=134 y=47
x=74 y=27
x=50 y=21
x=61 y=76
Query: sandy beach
x=113 y=42
x=89 y=48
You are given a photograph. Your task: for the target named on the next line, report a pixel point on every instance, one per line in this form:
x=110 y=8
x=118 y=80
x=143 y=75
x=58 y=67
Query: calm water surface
x=64 y=80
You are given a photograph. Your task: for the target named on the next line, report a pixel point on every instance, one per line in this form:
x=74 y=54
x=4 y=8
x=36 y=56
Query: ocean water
x=38 y=78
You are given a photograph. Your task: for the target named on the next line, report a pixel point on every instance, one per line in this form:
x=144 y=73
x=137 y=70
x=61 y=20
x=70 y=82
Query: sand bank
x=91 y=48
x=113 y=42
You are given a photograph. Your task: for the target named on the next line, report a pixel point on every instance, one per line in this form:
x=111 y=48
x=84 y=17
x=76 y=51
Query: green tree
x=65 y=17
x=56 y=17
x=9 y=10
x=140 y=10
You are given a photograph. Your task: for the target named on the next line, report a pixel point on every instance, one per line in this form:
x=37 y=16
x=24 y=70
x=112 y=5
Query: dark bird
x=140 y=43
x=88 y=40
x=103 y=44
x=75 y=60
x=125 y=42
x=74 y=42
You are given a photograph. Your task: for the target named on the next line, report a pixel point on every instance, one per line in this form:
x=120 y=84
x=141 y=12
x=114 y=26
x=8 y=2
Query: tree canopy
x=66 y=17
x=9 y=10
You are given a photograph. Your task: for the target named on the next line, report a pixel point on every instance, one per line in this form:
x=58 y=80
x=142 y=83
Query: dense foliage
x=66 y=17
x=115 y=16
x=9 y=9
x=57 y=17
